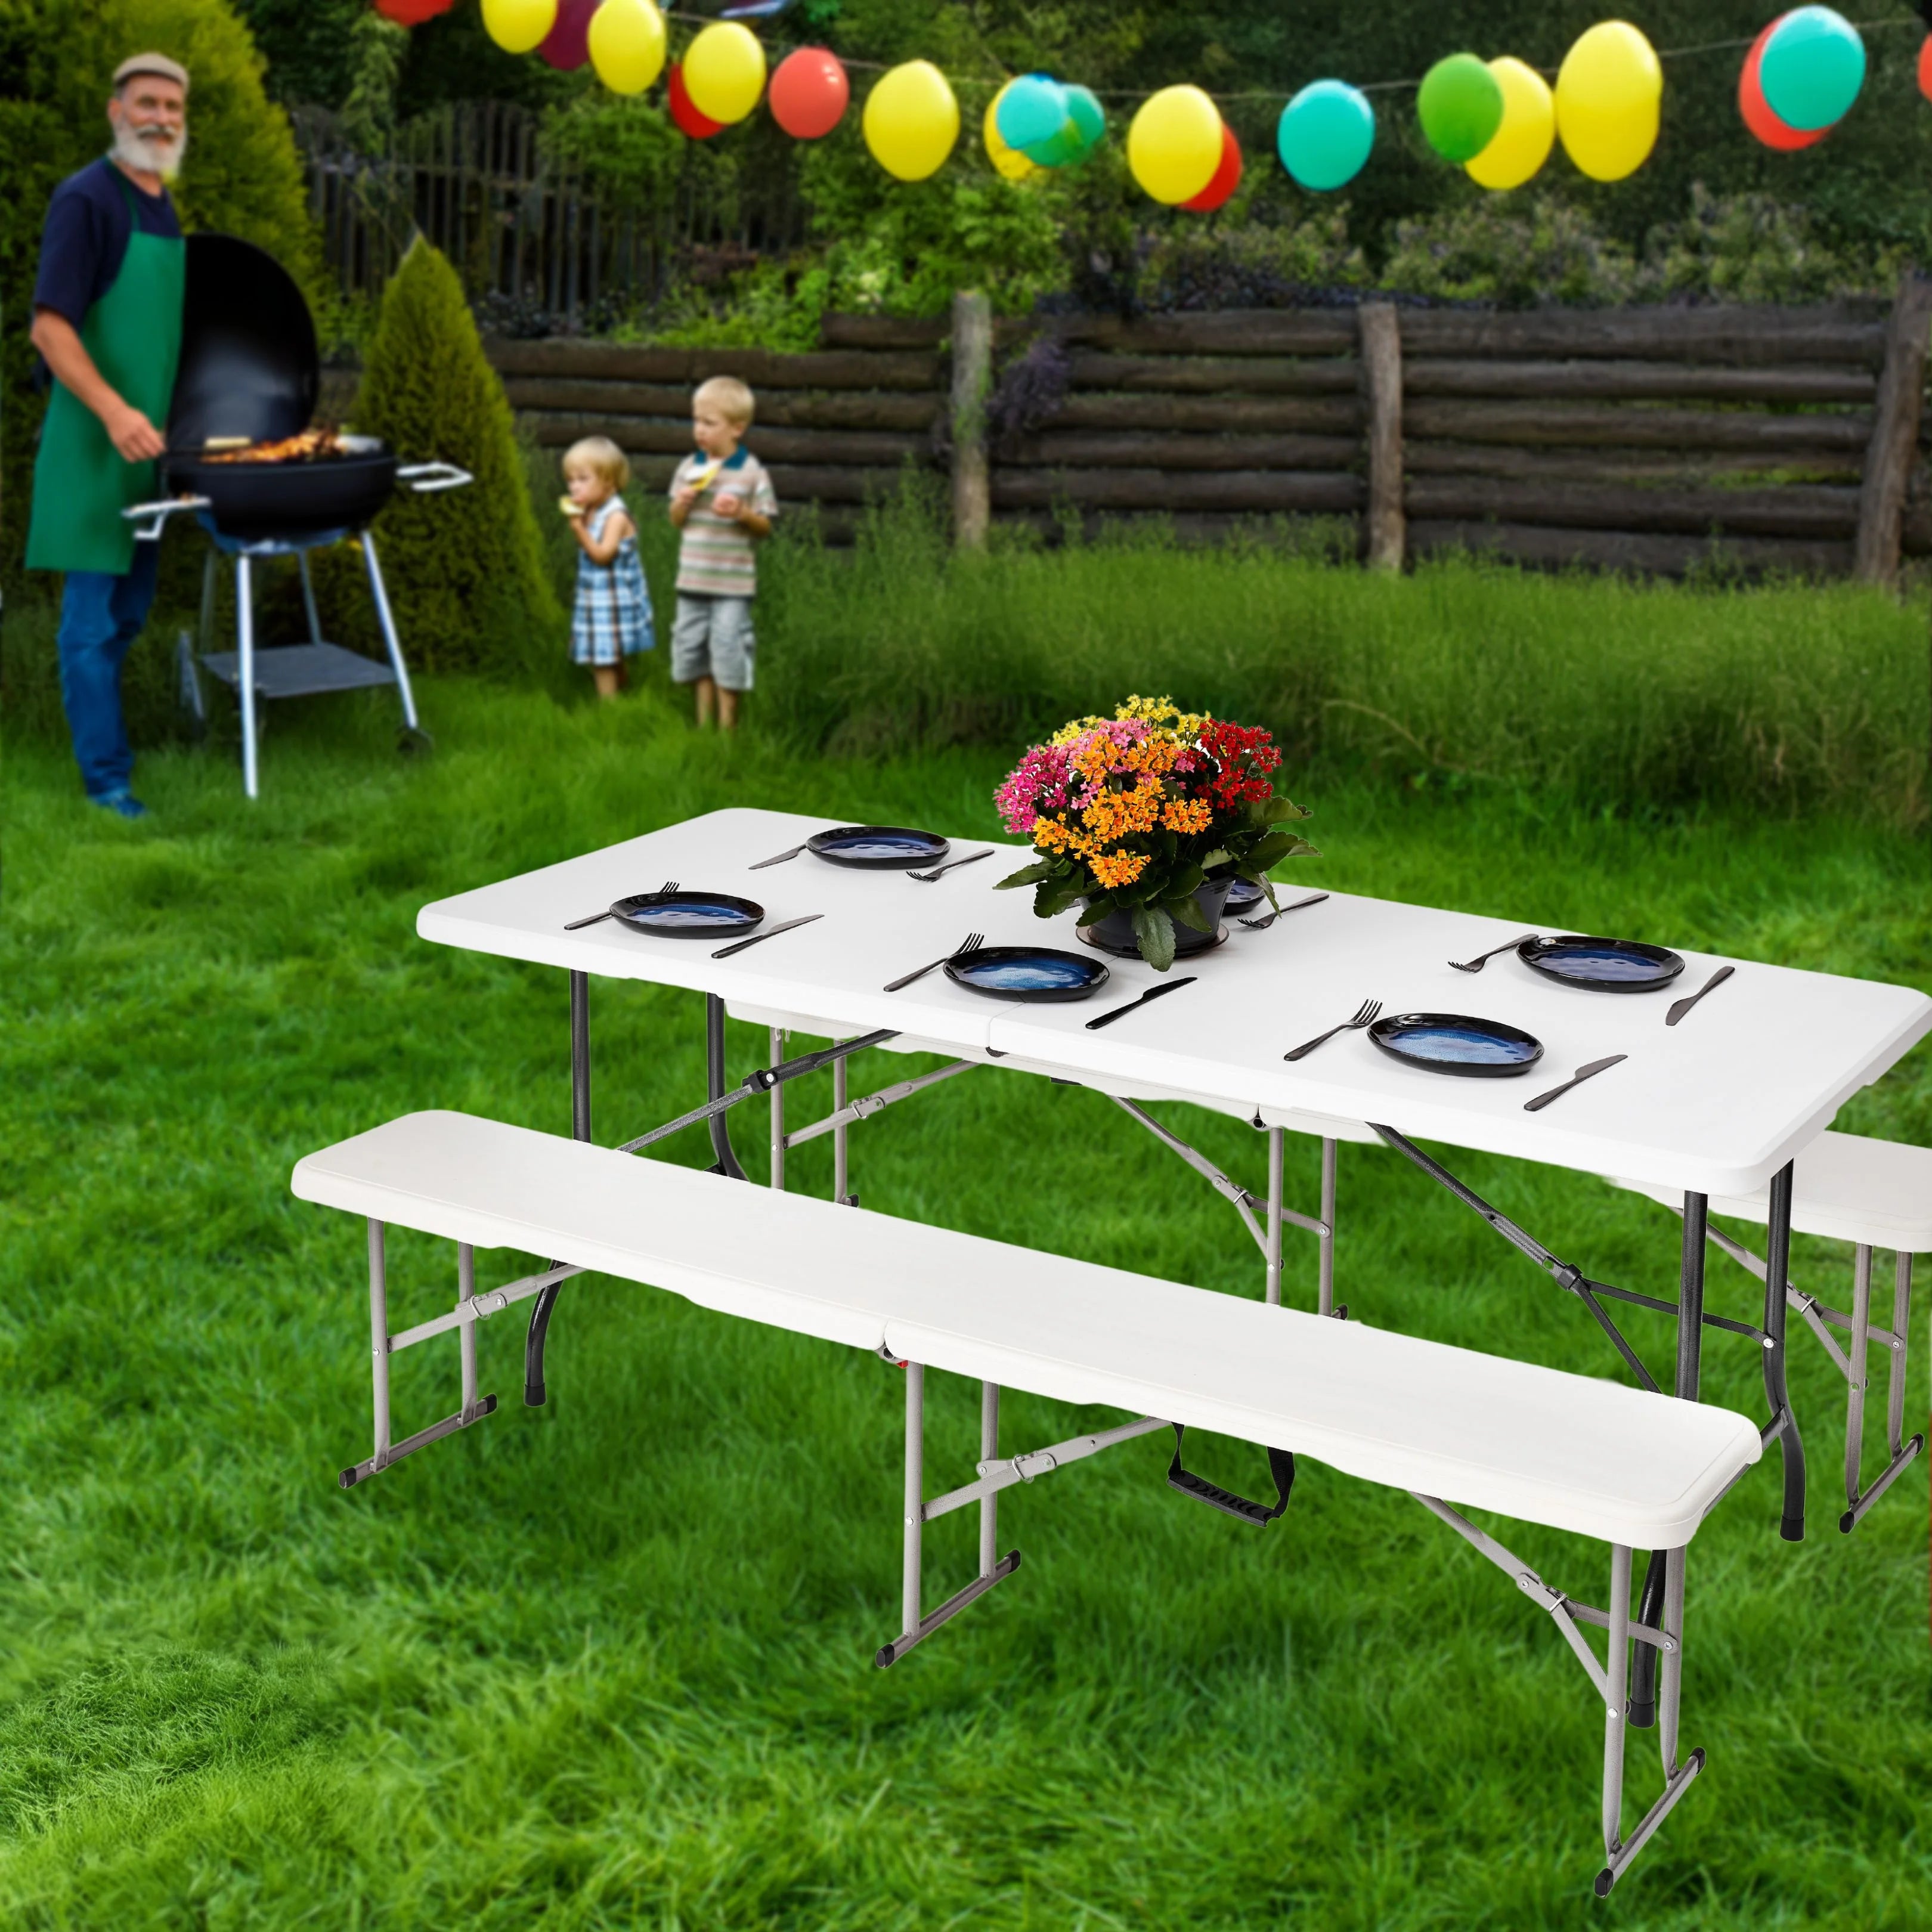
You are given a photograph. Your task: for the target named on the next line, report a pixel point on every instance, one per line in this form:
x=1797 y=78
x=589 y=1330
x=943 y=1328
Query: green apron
x=81 y=483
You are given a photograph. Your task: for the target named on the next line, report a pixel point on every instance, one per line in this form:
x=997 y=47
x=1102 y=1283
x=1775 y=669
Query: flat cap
x=156 y=64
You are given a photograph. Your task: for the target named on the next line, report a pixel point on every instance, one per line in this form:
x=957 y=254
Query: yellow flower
x=1120 y=868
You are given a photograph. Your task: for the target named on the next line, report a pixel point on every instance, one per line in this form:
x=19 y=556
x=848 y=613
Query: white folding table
x=1720 y=1105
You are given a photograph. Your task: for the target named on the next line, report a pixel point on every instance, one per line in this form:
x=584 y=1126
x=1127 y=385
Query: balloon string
x=1275 y=93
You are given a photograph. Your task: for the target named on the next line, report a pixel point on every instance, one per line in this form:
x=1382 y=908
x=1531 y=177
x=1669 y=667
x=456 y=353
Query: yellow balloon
x=1521 y=144
x=912 y=121
x=1175 y=144
x=518 y=26
x=627 y=44
x=1010 y=162
x=1608 y=90
x=724 y=71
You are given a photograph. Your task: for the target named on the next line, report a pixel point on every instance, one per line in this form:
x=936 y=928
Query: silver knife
x=1576 y=1079
x=1152 y=993
x=776 y=859
x=1683 y=1006
x=739 y=946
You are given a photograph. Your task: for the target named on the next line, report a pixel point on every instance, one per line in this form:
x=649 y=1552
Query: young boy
x=722 y=500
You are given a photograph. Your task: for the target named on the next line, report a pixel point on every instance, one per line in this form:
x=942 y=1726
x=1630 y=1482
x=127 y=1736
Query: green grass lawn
x=608 y=1664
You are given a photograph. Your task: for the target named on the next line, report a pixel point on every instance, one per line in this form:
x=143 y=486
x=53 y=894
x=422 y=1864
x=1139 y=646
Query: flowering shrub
x=1132 y=813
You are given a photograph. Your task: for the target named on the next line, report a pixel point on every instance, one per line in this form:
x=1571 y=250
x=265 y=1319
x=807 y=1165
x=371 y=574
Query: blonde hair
x=601 y=458
x=734 y=400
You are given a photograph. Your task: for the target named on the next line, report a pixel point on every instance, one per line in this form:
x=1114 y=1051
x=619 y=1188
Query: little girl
x=612 y=619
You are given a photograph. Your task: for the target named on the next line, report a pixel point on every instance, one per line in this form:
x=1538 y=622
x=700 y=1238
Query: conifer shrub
x=464 y=568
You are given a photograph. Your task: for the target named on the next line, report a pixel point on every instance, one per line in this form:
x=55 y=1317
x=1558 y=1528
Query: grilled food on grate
x=310 y=445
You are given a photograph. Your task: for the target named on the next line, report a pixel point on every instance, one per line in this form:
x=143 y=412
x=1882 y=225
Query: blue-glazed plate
x=1036 y=972
x=1453 y=1043
x=879 y=847
x=1245 y=900
x=687 y=915
x=1602 y=965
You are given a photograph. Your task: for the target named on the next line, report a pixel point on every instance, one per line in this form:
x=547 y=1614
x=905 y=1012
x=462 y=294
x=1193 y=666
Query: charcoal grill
x=249 y=380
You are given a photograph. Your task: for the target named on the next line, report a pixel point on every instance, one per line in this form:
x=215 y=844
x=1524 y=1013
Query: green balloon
x=1460 y=107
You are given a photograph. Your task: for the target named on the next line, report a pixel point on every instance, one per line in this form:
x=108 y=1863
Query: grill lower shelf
x=300 y=671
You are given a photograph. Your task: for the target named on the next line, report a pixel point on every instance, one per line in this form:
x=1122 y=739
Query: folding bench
x=1874 y=1194
x=1629 y=1467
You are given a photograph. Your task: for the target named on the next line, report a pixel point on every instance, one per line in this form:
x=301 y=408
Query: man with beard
x=107 y=322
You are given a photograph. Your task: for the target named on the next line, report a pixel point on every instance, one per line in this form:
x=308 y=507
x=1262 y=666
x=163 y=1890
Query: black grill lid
x=249 y=363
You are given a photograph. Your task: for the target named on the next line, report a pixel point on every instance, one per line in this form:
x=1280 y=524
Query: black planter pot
x=1115 y=933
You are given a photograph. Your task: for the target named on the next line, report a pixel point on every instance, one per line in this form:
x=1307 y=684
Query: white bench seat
x=1618 y=1464
x=1629 y=1467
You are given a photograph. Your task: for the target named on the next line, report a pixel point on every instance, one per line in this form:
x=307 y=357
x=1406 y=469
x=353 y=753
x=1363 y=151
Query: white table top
x=1716 y=1105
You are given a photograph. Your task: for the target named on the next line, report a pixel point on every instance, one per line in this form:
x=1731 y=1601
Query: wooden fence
x=1655 y=440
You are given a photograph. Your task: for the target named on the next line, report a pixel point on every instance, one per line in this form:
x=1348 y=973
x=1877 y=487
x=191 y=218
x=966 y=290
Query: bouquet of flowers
x=1132 y=814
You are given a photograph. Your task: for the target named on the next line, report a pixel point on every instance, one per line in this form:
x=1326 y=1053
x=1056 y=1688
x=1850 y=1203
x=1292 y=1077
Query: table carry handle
x=1281 y=1467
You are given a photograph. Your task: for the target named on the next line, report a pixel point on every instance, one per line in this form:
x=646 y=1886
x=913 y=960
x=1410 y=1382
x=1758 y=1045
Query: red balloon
x=412 y=13
x=684 y=109
x=1227 y=176
x=1925 y=68
x=1757 y=110
x=809 y=93
x=567 y=46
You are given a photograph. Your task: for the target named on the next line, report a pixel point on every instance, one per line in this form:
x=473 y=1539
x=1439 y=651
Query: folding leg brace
x=1612 y=1682
x=1854 y=1368
x=470 y=1308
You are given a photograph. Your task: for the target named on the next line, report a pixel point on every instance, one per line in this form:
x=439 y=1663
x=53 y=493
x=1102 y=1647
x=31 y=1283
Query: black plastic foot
x=1791 y=1528
x=1605 y=1880
x=534 y=1395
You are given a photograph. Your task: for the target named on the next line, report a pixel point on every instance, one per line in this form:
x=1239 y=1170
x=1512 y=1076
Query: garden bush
x=242 y=174
x=464 y=567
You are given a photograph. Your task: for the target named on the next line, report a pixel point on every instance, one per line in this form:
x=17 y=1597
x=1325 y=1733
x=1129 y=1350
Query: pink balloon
x=567 y=45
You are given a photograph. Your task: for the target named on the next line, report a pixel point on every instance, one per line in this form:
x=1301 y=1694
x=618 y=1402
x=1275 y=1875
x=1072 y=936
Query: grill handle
x=422 y=476
x=159 y=513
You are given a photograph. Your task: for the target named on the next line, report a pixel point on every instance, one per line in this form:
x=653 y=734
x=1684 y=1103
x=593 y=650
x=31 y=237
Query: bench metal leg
x=1324 y=1302
x=244 y=670
x=535 y=1395
x=1899 y=1452
x=1277 y=1153
x=382 y=1345
x=989 y=1452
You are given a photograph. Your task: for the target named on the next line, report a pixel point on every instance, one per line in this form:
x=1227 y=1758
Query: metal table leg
x=1777 y=1278
x=534 y=1395
x=714 y=1072
x=244 y=668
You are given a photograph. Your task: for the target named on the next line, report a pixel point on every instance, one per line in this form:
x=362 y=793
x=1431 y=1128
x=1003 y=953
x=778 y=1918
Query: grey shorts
x=712 y=637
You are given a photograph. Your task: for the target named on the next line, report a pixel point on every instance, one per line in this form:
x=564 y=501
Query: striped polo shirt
x=715 y=558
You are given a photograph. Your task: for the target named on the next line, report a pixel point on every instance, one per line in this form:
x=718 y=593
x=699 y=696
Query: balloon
x=1227 y=176
x=1325 y=133
x=1925 y=68
x=1174 y=146
x=412 y=13
x=567 y=46
x=1607 y=92
x=1812 y=67
x=627 y=44
x=1033 y=109
x=1757 y=110
x=1009 y=162
x=518 y=26
x=911 y=121
x=1088 y=116
x=809 y=93
x=1460 y=107
x=724 y=72
x=1521 y=144
x=683 y=109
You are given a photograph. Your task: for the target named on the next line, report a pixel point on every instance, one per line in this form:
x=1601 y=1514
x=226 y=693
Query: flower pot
x=1115 y=933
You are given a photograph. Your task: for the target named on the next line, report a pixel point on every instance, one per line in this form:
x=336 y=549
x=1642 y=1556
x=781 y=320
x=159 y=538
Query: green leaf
x=1188 y=911
x=1155 y=932
x=1027 y=875
x=1053 y=899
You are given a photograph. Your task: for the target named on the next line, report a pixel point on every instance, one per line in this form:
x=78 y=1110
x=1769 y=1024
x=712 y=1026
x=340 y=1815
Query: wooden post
x=972 y=382
x=1382 y=383
x=1895 y=437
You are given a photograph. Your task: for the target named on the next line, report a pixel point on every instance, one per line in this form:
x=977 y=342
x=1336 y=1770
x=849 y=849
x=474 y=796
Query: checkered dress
x=613 y=617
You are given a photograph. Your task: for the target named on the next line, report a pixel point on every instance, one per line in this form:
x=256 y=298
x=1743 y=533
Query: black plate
x=1039 y=974
x=879 y=848
x=1244 y=899
x=1454 y=1043
x=687 y=915
x=1602 y=965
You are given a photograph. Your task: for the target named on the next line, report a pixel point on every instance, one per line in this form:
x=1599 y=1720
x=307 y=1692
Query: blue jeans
x=101 y=616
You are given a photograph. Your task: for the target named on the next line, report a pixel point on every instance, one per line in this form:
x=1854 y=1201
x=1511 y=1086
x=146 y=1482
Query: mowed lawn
x=608 y=1664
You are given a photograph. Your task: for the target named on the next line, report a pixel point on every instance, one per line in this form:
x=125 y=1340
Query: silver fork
x=926 y=878
x=1262 y=925
x=1475 y=965
x=971 y=942
x=669 y=886
x=1367 y=1014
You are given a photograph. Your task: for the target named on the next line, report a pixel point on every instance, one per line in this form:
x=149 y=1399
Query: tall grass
x=1790 y=698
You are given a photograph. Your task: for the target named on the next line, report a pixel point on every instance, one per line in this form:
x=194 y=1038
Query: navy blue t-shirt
x=85 y=239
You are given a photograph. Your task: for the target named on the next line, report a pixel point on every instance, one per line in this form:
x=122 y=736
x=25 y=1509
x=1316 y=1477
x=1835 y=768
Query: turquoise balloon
x=1032 y=110
x=1088 y=116
x=1812 y=68
x=1460 y=106
x=1325 y=133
